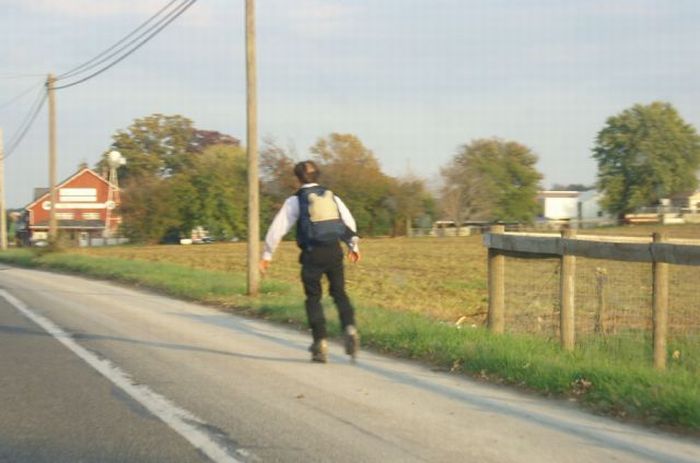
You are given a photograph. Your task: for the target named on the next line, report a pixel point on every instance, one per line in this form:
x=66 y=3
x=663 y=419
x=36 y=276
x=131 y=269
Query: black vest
x=319 y=221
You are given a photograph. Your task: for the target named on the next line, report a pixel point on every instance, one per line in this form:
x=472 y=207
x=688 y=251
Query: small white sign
x=81 y=195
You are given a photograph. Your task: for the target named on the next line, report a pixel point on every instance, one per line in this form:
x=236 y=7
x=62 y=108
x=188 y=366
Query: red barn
x=86 y=208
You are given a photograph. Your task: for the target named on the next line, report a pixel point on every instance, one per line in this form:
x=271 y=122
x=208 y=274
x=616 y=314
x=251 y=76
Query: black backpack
x=319 y=221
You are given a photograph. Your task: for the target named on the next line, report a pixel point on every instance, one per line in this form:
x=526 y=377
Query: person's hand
x=263 y=266
x=354 y=256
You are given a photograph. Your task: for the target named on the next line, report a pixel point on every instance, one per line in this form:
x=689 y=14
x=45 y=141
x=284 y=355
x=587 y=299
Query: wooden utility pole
x=53 y=228
x=252 y=147
x=3 y=216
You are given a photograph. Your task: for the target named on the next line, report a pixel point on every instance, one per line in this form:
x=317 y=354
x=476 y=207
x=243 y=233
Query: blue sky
x=414 y=79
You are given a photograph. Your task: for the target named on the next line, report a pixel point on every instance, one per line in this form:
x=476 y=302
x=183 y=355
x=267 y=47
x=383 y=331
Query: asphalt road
x=94 y=372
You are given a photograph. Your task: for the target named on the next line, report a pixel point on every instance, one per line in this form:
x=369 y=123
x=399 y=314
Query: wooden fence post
x=660 y=307
x=567 y=290
x=496 y=270
x=602 y=308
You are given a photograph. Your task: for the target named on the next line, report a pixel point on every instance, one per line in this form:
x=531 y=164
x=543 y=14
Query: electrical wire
x=164 y=22
x=94 y=61
x=149 y=33
x=23 y=129
x=42 y=92
x=18 y=96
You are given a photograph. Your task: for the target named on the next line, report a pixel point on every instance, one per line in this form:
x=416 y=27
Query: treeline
x=381 y=204
x=178 y=177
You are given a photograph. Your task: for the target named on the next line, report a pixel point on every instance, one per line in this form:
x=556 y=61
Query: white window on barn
x=77 y=195
x=65 y=216
x=91 y=216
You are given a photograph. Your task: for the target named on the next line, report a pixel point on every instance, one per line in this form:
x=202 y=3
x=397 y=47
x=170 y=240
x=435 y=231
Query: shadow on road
x=18 y=330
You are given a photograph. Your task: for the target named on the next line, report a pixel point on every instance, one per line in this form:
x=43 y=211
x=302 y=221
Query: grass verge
x=591 y=375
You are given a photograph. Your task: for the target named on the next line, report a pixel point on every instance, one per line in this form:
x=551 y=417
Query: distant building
x=589 y=206
x=681 y=208
x=688 y=202
x=86 y=209
x=578 y=208
x=449 y=228
x=559 y=205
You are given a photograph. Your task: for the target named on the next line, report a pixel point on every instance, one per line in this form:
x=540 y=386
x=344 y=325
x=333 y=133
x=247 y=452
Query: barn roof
x=85 y=170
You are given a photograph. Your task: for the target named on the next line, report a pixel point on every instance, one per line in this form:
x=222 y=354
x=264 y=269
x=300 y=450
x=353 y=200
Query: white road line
x=178 y=419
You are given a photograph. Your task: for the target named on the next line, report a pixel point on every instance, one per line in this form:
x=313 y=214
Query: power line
x=23 y=129
x=156 y=29
x=27 y=124
x=34 y=104
x=149 y=33
x=18 y=96
x=164 y=22
x=94 y=61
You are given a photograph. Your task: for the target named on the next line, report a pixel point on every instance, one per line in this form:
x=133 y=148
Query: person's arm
x=284 y=220
x=352 y=240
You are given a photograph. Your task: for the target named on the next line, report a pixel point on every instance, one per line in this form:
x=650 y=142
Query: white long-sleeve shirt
x=288 y=216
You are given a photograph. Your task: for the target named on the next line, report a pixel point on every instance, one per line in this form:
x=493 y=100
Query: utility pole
x=53 y=228
x=252 y=147
x=3 y=216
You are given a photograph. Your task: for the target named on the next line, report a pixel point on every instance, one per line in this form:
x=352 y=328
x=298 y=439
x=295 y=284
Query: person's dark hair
x=307 y=172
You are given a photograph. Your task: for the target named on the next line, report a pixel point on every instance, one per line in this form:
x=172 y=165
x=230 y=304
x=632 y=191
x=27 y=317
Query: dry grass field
x=445 y=278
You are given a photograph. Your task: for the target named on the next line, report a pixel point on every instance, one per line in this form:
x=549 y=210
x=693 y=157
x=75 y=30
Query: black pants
x=315 y=263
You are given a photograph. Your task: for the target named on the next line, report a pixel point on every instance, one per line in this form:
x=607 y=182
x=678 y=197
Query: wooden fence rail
x=656 y=250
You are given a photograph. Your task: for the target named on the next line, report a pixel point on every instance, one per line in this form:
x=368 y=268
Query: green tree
x=466 y=193
x=147 y=209
x=409 y=200
x=352 y=171
x=155 y=145
x=218 y=178
x=178 y=177
x=491 y=179
x=212 y=193
x=644 y=154
x=160 y=145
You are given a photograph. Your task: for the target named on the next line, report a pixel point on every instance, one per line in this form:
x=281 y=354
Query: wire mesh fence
x=612 y=298
x=532 y=296
x=613 y=305
x=684 y=317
